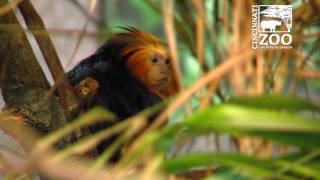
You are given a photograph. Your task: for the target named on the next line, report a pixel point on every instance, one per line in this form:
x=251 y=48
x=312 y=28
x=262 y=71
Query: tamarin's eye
x=167 y=61
x=154 y=60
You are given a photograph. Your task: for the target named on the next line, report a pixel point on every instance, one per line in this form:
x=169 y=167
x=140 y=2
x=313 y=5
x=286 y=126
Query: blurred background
x=65 y=20
x=209 y=34
x=77 y=32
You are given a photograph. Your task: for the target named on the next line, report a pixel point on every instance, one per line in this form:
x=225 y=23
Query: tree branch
x=24 y=85
x=68 y=99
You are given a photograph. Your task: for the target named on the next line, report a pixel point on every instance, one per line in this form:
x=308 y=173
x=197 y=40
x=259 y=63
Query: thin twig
x=169 y=29
x=88 y=15
x=54 y=31
x=237 y=79
x=200 y=33
x=9 y=7
x=214 y=75
x=93 y=5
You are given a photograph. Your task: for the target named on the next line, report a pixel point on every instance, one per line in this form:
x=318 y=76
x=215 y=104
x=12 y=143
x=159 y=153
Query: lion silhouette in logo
x=270 y=24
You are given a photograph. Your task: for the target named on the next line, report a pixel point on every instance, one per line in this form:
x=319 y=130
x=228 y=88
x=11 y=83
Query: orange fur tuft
x=141 y=47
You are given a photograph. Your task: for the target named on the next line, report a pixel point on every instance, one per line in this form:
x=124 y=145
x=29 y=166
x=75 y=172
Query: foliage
x=264 y=101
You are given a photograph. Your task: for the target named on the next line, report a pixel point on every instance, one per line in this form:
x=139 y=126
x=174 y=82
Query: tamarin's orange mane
x=139 y=48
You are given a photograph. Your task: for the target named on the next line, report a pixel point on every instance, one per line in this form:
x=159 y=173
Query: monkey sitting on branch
x=132 y=71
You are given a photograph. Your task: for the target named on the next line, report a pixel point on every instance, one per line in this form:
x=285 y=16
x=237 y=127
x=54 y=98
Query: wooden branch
x=24 y=85
x=34 y=22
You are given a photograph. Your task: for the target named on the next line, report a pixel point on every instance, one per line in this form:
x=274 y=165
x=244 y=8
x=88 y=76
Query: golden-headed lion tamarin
x=133 y=72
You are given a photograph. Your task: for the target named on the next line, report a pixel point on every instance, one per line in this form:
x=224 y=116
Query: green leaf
x=91 y=117
x=227 y=174
x=276 y=102
x=248 y=165
x=304 y=140
x=304 y=170
x=90 y=142
x=146 y=144
x=166 y=140
x=235 y=118
x=245 y=165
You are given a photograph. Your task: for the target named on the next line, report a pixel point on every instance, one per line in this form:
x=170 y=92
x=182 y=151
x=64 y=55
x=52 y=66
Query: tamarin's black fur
x=123 y=90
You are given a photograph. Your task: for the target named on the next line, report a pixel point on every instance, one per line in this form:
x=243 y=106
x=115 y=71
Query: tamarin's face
x=152 y=66
x=148 y=60
x=159 y=74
